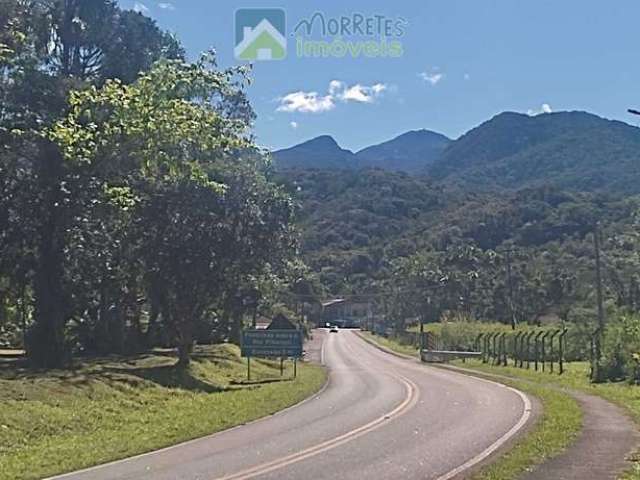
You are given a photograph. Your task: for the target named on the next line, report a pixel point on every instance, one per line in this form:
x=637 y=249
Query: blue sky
x=463 y=61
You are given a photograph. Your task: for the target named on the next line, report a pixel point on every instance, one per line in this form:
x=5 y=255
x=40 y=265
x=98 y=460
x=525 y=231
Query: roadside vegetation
x=111 y=408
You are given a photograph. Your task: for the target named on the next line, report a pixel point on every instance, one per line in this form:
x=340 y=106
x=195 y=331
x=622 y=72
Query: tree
x=47 y=48
x=174 y=148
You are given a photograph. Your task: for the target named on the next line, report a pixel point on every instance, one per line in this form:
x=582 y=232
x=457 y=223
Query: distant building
x=345 y=312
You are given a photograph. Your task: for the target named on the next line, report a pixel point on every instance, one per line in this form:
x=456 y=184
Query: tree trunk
x=185 y=345
x=235 y=336
x=46 y=344
x=185 y=326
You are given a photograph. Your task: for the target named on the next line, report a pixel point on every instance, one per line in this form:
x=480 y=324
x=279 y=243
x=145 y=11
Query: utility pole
x=510 y=284
x=599 y=299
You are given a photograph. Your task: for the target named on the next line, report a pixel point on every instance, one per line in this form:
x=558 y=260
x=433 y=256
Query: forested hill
x=577 y=151
x=572 y=150
x=355 y=224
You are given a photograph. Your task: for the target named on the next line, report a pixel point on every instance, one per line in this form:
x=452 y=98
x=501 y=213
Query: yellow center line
x=409 y=401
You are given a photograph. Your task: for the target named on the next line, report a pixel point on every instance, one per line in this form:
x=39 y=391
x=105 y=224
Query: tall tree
x=46 y=48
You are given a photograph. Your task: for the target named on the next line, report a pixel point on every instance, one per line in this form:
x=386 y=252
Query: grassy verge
x=391 y=344
x=109 y=409
x=560 y=423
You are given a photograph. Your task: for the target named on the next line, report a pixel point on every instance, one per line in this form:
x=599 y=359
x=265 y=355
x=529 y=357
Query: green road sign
x=271 y=343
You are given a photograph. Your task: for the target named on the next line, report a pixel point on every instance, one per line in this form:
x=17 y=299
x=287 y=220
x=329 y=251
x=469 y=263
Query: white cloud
x=544 y=108
x=378 y=88
x=306 y=102
x=434 y=77
x=338 y=91
x=166 y=6
x=293 y=125
x=335 y=86
x=140 y=8
x=361 y=93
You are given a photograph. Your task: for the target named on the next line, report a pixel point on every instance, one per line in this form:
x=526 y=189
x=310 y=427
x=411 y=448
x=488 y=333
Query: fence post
x=537 y=351
x=485 y=348
x=544 y=350
x=553 y=336
x=531 y=334
x=516 y=353
x=496 y=348
x=561 y=348
x=476 y=344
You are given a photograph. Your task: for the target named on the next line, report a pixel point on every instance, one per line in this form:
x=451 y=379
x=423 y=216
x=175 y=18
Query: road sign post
x=271 y=344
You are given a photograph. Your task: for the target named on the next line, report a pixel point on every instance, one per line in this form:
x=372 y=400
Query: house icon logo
x=260 y=34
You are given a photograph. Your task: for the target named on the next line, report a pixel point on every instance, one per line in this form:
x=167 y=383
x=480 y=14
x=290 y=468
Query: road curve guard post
x=561 y=345
x=272 y=344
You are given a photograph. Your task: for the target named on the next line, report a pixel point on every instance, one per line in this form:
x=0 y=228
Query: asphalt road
x=380 y=417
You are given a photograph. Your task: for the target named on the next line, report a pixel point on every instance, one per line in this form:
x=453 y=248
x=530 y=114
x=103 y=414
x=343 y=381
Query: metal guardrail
x=444 y=356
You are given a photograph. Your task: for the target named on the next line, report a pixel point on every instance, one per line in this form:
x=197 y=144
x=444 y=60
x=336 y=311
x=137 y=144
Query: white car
x=333 y=329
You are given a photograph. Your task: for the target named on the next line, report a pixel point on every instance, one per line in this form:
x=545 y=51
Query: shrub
x=621 y=349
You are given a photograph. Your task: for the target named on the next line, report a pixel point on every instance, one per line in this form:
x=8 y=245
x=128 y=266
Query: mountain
x=576 y=151
x=318 y=153
x=571 y=150
x=410 y=152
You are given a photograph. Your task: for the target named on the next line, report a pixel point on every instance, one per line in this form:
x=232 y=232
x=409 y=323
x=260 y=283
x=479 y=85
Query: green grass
x=479 y=327
x=558 y=426
x=108 y=409
x=391 y=344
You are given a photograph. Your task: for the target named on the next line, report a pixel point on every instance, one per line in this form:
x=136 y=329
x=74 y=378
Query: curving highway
x=380 y=417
